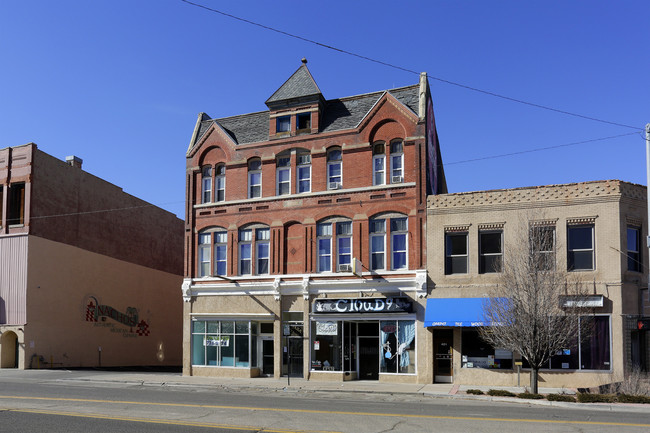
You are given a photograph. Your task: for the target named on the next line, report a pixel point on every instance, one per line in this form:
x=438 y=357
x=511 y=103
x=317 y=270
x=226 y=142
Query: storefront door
x=295 y=356
x=368 y=358
x=267 y=356
x=442 y=357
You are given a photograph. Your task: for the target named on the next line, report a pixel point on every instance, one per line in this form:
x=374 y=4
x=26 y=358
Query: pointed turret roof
x=299 y=88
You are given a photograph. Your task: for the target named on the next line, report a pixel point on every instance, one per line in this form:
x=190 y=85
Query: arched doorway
x=9 y=350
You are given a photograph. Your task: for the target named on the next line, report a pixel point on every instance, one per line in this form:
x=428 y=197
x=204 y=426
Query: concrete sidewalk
x=296 y=384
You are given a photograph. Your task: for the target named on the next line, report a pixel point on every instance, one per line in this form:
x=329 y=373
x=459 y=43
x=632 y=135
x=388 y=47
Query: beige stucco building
x=598 y=230
x=89 y=275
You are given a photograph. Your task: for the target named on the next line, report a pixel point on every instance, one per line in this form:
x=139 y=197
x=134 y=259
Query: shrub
x=475 y=391
x=561 y=397
x=596 y=398
x=530 y=395
x=624 y=398
x=500 y=393
x=636 y=383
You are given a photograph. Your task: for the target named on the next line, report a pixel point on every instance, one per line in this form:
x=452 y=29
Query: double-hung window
x=254 y=178
x=16 y=204
x=377 y=243
x=490 y=251
x=205 y=245
x=398 y=240
x=456 y=257
x=334 y=169
x=344 y=243
x=262 y=237
x=206 y=184
x=396 y=162
x=255 y=240
x=378 y=164
x=283 y=173
x=542 y=244
x=580 y=243
x=220 y=252
x=245 y=252
x=304 y=172
x=634 y=249
x=220 y=193
x=324 y=241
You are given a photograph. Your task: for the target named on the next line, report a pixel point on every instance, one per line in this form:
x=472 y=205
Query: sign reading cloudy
x=363 y=305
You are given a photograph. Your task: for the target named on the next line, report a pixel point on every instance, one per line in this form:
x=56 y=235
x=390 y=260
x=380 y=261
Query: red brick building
x=305 y=236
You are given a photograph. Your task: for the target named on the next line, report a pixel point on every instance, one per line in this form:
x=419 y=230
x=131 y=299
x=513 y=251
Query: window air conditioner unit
x=335 y=185
x=396 y=179
x=345 y=268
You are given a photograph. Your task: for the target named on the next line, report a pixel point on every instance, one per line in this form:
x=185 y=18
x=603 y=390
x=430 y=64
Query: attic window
x=283 y=124
x=303 y=121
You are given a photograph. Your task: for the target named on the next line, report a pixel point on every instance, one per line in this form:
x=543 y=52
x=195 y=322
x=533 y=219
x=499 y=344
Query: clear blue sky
x=120 y=83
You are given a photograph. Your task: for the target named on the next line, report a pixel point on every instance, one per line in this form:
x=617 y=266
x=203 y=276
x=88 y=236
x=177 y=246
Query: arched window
x=220 y=193
x=334 y=235
x=206 y=184
x=396 y=161
x=334 y=168
x=283 y=175
x=213 y=243
x=379 y=164
x=254 y=250
x=255 y=178
x=389 y=232
x=304 y=172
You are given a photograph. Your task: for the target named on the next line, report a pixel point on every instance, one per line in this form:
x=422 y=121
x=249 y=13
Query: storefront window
x=593 y=353
x=397 y=346
x=476 y=353
x=326 y=345
x=222 y=343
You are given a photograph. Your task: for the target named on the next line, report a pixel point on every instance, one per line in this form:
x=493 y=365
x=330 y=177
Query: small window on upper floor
x=379 y=164
x=254 y=178
x=283 y=124
x=396 y=162
x=580 y=247
x=490 y=251
x=304 y=172
x=456 y=253
x=220 y=193
x=283 y=175
x=206 y=184
x=542 y=247
x=16 y=205
x=634 y=249
x=396 y=244
x=334 y=169
x=303 y=122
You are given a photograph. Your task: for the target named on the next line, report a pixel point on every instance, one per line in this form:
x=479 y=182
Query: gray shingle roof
x=300 y=84
x=338 y=114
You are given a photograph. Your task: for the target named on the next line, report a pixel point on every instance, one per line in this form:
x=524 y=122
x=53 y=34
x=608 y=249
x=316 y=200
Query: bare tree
x=528 y=309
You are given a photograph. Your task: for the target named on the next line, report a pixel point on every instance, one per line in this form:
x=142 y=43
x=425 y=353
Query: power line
x=390 y=65
x=539 y=149
x=33 y=217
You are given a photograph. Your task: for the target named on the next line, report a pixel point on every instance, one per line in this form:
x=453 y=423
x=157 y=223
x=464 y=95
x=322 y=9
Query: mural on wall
x=132 y=326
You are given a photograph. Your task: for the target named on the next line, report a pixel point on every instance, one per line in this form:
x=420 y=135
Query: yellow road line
x=164 y=421
x=330 y=412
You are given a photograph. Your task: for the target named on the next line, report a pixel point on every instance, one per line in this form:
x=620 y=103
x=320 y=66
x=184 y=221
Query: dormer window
x=283 y=124
x=303 y=122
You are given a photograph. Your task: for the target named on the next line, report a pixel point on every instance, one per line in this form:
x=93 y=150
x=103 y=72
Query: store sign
x=223 y=341
x=364 y=305
x=326 y=328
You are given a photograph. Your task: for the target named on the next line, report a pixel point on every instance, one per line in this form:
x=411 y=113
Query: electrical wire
x=390 y=65
x=539 y=149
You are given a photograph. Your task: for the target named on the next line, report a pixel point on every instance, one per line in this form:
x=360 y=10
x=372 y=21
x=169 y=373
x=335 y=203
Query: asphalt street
x=71 y=401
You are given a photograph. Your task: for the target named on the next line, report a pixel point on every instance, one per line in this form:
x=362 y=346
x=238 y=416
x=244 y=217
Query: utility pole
x=647 y=157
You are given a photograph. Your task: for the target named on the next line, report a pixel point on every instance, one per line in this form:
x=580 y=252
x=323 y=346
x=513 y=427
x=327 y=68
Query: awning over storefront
x=454 y=312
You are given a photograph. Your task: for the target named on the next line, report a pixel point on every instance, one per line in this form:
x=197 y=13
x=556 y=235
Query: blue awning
x=454 y=312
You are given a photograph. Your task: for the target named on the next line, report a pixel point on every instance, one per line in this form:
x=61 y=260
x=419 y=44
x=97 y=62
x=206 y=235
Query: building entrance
x=442 y=357
x=267 y=356
x=9 y=350
x=368 y=350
